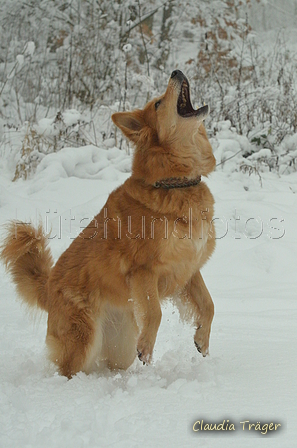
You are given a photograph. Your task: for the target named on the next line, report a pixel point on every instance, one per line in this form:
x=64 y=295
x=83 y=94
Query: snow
x=127 y=48
x=272 y=14
x=264 y=152
x=47 y=126
x=29 y=48
x=227 y=144
x=20 y=60
x=251 y=371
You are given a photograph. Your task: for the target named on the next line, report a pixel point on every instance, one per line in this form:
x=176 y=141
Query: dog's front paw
x=202 y=350
x=142 y=358
x=145 y=352
x=201 y=341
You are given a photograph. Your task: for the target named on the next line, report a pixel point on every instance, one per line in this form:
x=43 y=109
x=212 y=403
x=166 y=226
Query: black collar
x=177 y=182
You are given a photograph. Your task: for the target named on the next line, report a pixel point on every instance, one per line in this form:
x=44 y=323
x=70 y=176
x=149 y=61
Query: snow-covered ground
x=251 y=371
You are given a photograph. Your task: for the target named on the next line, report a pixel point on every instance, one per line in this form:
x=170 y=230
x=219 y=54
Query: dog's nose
x=176 y=72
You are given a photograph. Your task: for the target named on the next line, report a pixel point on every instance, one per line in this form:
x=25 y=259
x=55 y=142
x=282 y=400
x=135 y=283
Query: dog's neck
x=177 y=182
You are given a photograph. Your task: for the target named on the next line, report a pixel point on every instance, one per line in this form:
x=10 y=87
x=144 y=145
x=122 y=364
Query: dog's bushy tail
x=29 y=261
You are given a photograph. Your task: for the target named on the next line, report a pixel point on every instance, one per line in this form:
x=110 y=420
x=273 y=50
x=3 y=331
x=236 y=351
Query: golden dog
x=149 y=242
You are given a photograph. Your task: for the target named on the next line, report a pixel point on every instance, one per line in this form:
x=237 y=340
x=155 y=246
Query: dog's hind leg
x=94 y=351
x=73 y=339
x=120 y=336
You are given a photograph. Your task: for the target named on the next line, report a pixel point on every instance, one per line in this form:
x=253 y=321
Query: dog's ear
x=130 y=123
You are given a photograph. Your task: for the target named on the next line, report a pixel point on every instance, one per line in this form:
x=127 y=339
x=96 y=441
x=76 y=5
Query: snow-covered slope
x=251 y=371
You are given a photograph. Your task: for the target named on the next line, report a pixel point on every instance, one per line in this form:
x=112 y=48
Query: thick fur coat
x=103 y=294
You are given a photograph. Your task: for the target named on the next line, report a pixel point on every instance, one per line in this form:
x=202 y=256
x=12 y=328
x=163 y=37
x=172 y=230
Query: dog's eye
x=157 y=104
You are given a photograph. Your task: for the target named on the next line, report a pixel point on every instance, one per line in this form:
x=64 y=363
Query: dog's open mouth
x=184 y=105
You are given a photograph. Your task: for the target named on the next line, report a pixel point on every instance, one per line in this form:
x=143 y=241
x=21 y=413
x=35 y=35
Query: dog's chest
x=180 y=258
x=185 y=242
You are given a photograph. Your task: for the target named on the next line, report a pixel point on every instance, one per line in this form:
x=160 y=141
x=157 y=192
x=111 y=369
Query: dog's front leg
x=147 y=310
x=203 y=310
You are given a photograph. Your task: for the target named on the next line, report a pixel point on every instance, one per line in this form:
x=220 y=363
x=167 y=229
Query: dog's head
x=171 y=123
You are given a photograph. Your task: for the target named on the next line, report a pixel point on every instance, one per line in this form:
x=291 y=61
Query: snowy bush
x=45 y=137
x=32 y=151
x=106 y=56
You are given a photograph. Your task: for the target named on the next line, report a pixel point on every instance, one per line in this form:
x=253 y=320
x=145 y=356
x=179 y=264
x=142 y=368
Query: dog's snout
x=177 y=73
x=178 y=76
